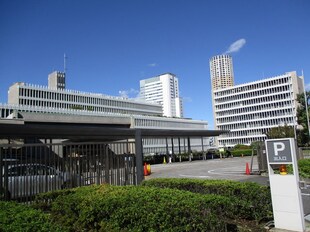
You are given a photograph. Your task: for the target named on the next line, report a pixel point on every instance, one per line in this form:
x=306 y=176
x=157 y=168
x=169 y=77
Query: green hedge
x=303 y=168
x=18 y=217
x=254 y=199
x=141 y=208
x=238 y=153
x=138 y=208
x=157 y=205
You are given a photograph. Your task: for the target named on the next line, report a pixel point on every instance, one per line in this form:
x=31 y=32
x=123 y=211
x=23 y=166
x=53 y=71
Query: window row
x=255 y=101
x=288 y=120
x=253 y=94
x=167 y=124
x=255 y=116
x=255 y=108
x=72 y=106
x=43 y=98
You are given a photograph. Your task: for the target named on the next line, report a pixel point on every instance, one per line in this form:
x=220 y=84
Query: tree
x=303 y=134
x=281 y=132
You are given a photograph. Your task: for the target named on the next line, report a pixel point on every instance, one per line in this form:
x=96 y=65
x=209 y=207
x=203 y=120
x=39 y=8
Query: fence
x=29 y=169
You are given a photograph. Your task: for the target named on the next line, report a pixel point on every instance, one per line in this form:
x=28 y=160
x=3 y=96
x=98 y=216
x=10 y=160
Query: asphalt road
x=228 y=169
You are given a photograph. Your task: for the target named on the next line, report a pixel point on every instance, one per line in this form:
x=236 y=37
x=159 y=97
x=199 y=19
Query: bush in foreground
x=255 y=200
x=304 y=168
x=158 y=205
x=138 y=208
x=18 y=217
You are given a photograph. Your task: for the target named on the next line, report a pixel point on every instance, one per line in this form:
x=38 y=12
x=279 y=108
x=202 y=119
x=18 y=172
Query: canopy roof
x=91 y=132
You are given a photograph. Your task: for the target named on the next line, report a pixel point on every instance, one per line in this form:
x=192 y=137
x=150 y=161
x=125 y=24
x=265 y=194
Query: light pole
x=306 y=102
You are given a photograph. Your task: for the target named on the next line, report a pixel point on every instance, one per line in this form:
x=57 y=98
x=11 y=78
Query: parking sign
x=279 y=151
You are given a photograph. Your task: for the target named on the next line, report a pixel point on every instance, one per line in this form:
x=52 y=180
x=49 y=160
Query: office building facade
x=221 y=71
x=250 y=110
x=56 y=97
x=57 y=80
x=53 y=100
x=164 y=90
x=222 y=76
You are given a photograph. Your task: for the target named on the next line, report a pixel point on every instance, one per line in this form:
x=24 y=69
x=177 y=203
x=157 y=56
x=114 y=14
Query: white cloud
x=307 y=87
x=236 y=46
x=131 y=93
x=152 y=65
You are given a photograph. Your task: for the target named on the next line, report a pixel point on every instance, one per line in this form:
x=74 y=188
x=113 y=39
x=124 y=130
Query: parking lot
x=228 y=169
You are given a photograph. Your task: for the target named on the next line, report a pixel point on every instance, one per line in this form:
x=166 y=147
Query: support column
x=180 y=157
x=167 y=151
x=172 y=149
x=204 y=156
x=189 y=148
x=139 y=156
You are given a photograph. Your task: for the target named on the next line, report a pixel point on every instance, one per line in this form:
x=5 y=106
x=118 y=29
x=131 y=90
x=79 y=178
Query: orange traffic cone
x=247 y=169
x=145 y=172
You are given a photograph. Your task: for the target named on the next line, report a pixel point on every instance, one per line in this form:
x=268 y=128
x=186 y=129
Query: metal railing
x=29 y=169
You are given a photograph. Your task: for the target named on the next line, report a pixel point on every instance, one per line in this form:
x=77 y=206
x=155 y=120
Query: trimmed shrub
x=18 y=217
x=132 y=208
x=238 y=153
x=304 y=168
x=254 y=200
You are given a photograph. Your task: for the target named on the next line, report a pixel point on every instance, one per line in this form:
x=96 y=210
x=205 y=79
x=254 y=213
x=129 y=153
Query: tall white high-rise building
x=163 y=89
x=222 y=76
x=221 y=70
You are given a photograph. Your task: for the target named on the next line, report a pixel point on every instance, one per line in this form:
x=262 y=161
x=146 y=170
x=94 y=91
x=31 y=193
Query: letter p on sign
x=278 y=147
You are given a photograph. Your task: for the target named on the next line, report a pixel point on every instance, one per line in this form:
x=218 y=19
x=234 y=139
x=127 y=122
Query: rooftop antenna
x=65 y=58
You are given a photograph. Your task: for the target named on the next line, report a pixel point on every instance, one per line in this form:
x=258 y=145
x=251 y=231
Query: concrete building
x=249 y=110
x=55 y=96
x=57 y=80
x=221 y=70
x=51 y=101
x=163 y=89
x=222 y=76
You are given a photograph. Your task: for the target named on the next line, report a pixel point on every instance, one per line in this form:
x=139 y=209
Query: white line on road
x=191 y=176
x=224 y=171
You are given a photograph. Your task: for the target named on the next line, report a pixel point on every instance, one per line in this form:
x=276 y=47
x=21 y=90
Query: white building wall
x=166 y=95
x=178 y=107
x=163 y=89
x=158 y=145
x=23 y=94
x=57 y=80
x=221 y=70
x=42 y=99
x=13 y=93
x=222 y=76
x=250 y=110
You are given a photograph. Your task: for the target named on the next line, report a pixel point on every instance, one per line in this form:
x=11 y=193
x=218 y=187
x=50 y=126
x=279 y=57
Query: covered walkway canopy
x=19 y=129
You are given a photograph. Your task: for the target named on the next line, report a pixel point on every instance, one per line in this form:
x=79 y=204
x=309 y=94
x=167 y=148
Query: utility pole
x=306 y=101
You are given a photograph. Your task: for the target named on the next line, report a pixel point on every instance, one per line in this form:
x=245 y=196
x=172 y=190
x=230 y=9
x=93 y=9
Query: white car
x=25 y=180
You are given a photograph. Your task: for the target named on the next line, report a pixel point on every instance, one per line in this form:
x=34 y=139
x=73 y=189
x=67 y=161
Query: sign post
x=285 y=192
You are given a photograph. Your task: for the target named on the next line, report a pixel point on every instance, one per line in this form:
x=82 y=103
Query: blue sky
x=111 y=45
